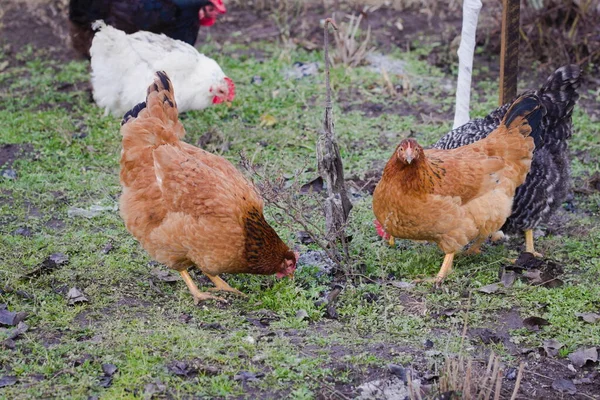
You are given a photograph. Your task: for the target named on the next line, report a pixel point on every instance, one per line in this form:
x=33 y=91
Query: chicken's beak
x=408 y=155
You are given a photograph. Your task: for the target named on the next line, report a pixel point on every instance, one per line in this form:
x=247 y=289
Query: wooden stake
x=509 y=50
x=331 y=169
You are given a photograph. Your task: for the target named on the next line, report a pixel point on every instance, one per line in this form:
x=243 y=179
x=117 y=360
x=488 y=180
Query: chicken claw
x=529 y=248
x=222 y=286
x=197 y=294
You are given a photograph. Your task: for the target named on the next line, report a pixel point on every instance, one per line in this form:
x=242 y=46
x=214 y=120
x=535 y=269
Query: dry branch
x=337 y=203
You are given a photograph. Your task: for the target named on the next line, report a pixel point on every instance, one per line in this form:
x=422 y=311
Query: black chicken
x=179 y=19
x=548 y=181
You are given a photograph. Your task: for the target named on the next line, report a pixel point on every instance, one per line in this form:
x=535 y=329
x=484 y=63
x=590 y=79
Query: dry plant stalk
x=297 y=208
x=331 y=169
x=459 y=376
x=285 y=13
x=350 y=50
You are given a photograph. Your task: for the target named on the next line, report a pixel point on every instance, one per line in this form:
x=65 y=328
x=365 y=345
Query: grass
x=142 y=324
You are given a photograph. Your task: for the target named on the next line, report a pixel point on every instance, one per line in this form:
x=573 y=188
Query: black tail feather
x=133 y=113
x=528 y=106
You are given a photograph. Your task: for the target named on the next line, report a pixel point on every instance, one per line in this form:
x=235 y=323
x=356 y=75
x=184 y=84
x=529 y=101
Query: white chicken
x=122 y=66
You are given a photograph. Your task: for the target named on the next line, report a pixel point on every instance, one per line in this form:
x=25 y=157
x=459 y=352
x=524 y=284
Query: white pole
x=465 y=61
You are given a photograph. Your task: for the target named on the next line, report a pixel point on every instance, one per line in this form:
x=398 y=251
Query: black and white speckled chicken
x=548 y=181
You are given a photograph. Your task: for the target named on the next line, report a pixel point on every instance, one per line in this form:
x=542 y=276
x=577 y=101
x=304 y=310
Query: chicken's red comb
x=220 y=7
x=231 y=87
x=380 y=231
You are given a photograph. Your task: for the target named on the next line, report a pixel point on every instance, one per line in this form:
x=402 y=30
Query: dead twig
x=337 y=203
x=351 y=50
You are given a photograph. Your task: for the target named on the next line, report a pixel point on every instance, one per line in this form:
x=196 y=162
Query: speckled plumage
x=548 y=181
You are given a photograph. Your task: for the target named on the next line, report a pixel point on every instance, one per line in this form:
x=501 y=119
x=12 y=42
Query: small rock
x=249 y=339
x=428 y=344
x=256 y=80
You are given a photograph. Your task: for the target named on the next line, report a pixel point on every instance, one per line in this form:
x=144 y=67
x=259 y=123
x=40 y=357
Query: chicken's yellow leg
x=446 y=268
x=529 y=243
x=221 y=285
x=392 y=242
x=197 y=294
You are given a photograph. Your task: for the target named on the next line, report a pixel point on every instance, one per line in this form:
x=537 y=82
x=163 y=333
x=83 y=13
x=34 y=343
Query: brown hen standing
x=188 y=207
x=452 y=197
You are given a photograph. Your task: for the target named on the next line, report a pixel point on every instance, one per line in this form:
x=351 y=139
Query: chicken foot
x=446 y=268
x=197 y=294
x=444 y=271
x=221 y=285
x=529 y=243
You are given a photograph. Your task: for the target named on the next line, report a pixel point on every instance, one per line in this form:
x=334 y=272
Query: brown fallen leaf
x=9 y=318
x=315 y=186
x=534 y=323
x=582 y=356
x=508 y=278
x=590 y=317
x=551 y=347
x=489 y=289
x=76 y=296
x=564 y=386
